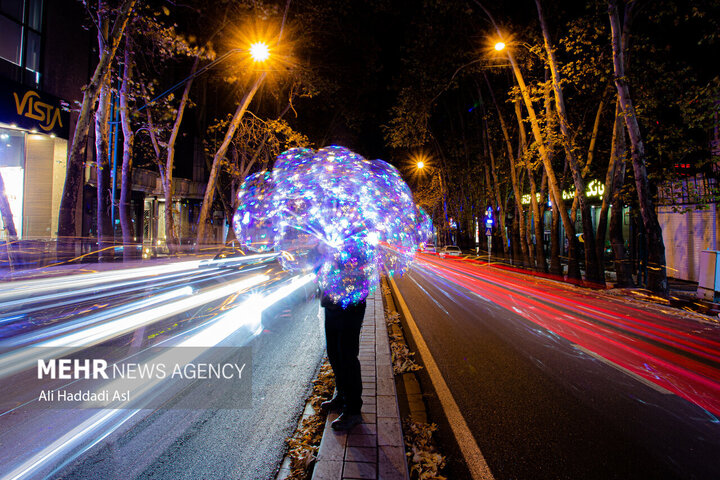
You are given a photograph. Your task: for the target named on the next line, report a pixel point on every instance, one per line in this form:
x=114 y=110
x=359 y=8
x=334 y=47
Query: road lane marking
x=624 y=370
x=474 y=458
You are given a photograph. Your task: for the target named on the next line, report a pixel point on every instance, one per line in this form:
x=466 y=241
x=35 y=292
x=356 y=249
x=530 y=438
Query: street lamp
x=259 y=51
x=423 y=163
x=499 y=46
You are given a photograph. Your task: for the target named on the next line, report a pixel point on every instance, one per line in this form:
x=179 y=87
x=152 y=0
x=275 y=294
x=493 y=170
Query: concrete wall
x=686 y=234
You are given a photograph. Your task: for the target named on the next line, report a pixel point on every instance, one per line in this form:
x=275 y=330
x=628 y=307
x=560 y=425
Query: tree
x=513 y=174
x=613 y=193
x=128 y=233
x=220 y=155
x=163 y=119
x=253 y=146
x=494 y=184
x=108 y=46
x=556 y=195
x=104 y=202
x=592 y=271
x=657 y=275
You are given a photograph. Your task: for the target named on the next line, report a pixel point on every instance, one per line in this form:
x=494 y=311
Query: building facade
x=47 y=55
x=35 y=124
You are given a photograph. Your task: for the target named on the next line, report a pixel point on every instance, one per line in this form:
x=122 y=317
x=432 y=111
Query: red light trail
x=676 y=353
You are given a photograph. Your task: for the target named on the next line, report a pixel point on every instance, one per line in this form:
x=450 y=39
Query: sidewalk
x=373 y=450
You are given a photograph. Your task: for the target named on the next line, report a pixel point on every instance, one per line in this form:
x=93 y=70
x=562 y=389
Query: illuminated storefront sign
x=525 y=200
x=594 y=189
x=32 y=110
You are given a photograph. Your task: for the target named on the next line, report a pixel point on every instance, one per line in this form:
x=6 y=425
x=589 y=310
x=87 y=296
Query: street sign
x=488 y=232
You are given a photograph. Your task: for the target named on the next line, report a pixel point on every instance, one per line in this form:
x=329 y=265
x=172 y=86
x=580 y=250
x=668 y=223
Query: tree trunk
x=516 y=241
x=617 y=242
x=607 y=195
x=102 y=145
x=500 y=210
x=217 y=159
x=171 y=236
x=126 y=225
x=591 y=150
x=539 y=250
x=592 y=272
x=540 y=224
x=539 y=254
x=555 y=265
x=513 y=175
x=573 y=268
x=500 y=207
x=78 y=148
x=556 y=195
x=657 y=274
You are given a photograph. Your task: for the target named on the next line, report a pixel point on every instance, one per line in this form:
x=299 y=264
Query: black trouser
x=342 y=333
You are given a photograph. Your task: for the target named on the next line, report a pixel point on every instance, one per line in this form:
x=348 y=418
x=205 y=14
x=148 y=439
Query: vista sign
x=33 y=110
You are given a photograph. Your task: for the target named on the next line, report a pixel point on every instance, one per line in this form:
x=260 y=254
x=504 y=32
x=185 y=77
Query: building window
x=21 y=39
x=10 y=40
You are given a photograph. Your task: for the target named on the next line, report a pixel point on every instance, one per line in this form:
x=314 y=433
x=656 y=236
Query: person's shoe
x=346 y=421
x=333 y=405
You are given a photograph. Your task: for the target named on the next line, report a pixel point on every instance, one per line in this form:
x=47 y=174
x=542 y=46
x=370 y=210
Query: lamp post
x=259 y=53
x=421 y=164
x=568 y=225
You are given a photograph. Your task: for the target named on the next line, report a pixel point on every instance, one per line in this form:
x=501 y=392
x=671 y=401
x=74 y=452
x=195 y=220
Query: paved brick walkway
x=373 y=449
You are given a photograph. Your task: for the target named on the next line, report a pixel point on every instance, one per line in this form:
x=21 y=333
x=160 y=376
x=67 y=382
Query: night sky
x=363 y=56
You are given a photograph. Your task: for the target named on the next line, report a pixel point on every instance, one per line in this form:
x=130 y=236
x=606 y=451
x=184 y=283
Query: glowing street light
x=420 y=164
x=499 y=46
x=259 y=51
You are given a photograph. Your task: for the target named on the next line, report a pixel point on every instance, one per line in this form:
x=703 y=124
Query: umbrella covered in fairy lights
x=334 y=212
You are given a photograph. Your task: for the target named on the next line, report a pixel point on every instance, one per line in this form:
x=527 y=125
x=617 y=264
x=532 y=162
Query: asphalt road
x=223 y=443
x=216 y=440
x=538 y=405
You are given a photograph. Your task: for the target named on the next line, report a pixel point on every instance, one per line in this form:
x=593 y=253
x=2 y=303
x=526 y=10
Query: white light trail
x=35 y=287
x=26 y=357
x=250 y=311
x=62 y=444
x=102 y=423
x=13 y=290
x=105 y=331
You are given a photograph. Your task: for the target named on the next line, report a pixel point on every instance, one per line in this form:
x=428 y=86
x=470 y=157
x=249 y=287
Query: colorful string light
x=334 y=212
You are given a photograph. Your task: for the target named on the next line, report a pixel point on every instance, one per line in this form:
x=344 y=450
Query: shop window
x=12 y=156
